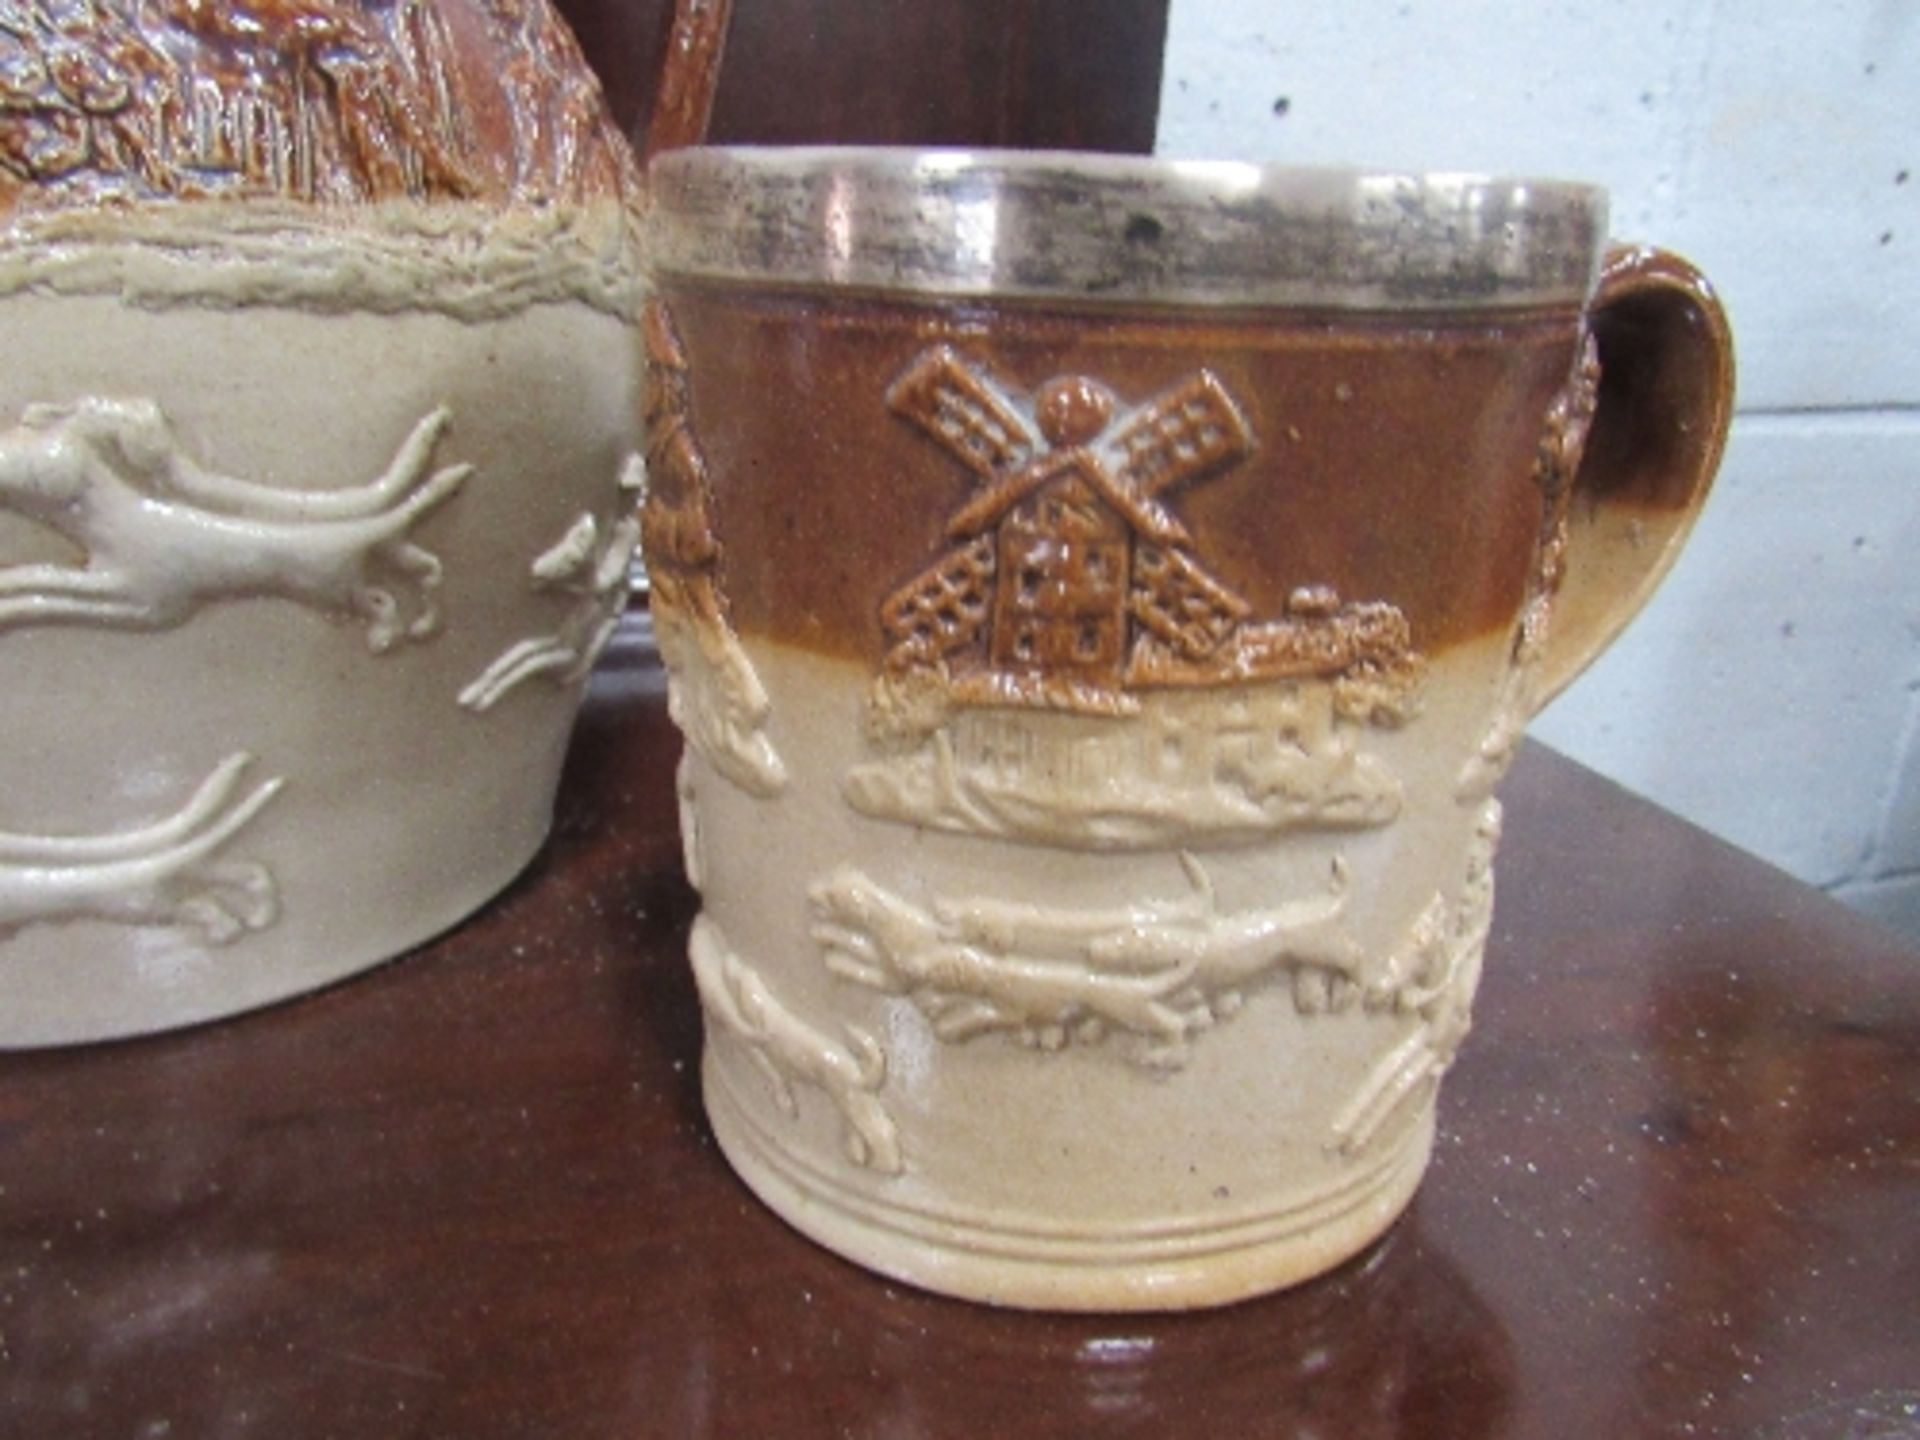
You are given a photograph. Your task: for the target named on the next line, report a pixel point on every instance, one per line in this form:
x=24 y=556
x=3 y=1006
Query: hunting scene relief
x=1069 y=670
x=160 y=536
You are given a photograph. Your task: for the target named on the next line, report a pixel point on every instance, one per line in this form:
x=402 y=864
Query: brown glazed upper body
x=1392 y=457
x=1389 y=344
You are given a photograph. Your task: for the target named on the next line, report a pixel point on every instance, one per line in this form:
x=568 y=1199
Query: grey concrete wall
x=1772 y=691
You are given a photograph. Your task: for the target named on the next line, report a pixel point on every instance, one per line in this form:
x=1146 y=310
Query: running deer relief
x=1069 y=672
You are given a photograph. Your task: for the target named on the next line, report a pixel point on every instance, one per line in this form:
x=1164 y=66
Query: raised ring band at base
x=1169 y=1265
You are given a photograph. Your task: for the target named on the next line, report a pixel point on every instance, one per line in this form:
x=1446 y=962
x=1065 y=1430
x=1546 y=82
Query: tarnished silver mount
x=1052 y=225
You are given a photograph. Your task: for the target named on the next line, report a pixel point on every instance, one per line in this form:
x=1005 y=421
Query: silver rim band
x=1117 y=229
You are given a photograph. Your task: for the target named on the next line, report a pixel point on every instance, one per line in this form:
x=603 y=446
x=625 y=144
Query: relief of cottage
x=1070 y=671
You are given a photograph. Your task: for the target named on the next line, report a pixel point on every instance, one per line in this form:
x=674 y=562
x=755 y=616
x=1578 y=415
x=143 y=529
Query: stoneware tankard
x=1101 y=597
x=319 y=457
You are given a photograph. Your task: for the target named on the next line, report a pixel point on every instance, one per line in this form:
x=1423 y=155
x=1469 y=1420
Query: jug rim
x=1122 y=229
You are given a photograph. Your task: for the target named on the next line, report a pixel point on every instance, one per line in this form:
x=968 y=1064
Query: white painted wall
x=1772 y=691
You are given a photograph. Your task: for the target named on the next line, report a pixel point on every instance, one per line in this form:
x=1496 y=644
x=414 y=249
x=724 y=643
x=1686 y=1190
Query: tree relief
x=1431 y=980
x=1556 y=464
x=1069 y=672
x=714 y=694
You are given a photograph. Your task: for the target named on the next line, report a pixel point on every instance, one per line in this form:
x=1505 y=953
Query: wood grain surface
x=1044 y=74
x=472 y=1194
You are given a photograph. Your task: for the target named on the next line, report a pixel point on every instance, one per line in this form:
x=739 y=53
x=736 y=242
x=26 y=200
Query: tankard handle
x=1659 y=427
x=689 y=76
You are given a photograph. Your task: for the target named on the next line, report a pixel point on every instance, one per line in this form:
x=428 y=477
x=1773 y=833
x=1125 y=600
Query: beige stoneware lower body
x=257 y=739
x=1176 y=1063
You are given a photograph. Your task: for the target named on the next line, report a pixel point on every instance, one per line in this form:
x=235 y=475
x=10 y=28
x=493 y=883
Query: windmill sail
x=1178 y=435
x=964 y=412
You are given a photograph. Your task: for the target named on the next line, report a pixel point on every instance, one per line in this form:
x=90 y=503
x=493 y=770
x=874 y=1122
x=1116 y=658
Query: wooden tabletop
x=472 y=1195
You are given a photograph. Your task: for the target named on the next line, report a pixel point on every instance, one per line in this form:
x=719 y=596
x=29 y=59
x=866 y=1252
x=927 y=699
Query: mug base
x=1173 y=1267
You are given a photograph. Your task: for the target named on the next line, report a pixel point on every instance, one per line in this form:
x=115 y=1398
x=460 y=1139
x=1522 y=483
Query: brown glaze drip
x=327 y=101
x=1394 y=459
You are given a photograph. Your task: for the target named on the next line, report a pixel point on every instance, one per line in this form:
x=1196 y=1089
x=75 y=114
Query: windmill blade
x=961 y=409
x=1179 y=434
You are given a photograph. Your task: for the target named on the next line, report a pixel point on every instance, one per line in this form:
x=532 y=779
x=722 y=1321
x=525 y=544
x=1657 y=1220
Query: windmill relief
x=1069 y=670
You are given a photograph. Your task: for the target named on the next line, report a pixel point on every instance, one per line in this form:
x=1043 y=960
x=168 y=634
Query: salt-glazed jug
x=1102 y=595
x=319 y=455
